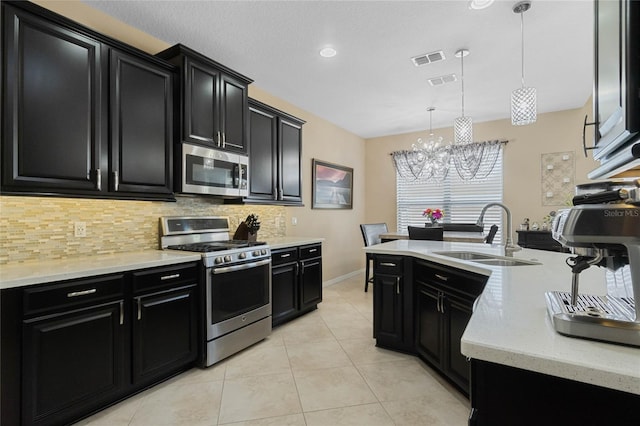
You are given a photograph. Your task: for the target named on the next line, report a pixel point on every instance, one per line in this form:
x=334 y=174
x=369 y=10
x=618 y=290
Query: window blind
x=461 y=200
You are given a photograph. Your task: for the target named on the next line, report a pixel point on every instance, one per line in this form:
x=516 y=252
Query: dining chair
x=491 y=235
x=371 y=236
x=420 y=233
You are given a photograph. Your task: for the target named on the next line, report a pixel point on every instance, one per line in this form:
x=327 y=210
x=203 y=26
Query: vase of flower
x=434 y=216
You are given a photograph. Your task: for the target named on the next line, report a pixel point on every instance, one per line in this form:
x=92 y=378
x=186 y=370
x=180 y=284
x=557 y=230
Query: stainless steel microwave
x=213 y=172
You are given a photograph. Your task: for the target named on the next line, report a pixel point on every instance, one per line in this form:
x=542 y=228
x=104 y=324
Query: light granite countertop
x=39 y=272
x=510 y=324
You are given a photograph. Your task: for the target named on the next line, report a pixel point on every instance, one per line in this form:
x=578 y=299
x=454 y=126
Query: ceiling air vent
x=428 y=58
x=443 y=79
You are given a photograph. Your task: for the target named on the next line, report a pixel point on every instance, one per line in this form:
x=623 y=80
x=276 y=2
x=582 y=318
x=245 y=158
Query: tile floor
x=320 y=369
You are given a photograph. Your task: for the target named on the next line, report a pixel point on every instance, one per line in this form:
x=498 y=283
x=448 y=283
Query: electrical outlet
x=80 y=229
x=294 y=221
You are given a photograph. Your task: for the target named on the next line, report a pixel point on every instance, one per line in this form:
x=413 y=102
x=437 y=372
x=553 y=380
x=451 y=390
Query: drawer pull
x=81 y=293
x=313 y=250
x=442 y=277
x=388 y=264
x=282 y=256
x=169 y=277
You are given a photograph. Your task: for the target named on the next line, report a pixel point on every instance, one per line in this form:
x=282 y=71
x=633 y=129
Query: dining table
x=457 y=236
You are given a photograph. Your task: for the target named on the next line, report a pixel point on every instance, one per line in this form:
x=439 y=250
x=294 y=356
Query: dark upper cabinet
x=83 y=115
x=141 y=125
x=213 y=107
x=275 y=147
x=52 y=91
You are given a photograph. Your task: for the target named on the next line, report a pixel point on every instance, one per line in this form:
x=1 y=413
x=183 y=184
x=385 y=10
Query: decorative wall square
x=558 y=177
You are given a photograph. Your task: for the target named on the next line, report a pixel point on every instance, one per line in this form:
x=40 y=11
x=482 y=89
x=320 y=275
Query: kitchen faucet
x=509 y=247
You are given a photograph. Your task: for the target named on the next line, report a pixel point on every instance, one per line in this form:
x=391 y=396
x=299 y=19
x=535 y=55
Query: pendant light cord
x=522 y=43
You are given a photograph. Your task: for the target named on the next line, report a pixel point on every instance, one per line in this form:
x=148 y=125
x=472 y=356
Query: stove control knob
x=218 y=260
x=227 y=258
x=242 y=256
x=256 y=253
x=263 y=251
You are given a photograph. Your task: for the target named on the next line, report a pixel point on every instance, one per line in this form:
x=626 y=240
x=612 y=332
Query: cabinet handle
x=139 y=308
x=438 y=303
x=98 y=180
x=442 y=277
x=224 y=140
x=301 y=268
x=313 y=250
x=397 y=285
x=81 y=293
x=121 y=312
x=442 y=303
x=218 y=141
x=282 y=256
x=297 y=268
x=116 y=180
x=387 y=264
x=169 y=277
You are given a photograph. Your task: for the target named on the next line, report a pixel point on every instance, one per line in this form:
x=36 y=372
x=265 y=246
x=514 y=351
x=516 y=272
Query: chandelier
x=523 y=100
x=474 y=160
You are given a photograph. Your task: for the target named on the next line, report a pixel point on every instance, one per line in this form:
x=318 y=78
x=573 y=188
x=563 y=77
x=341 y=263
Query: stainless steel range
x=237 y=307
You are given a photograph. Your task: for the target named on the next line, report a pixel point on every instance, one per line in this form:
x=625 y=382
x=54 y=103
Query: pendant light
x=523 y=100
x=462 y=126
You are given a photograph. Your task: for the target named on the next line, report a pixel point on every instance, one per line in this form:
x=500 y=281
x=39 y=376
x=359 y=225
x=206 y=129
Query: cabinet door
x=290 y=164
x=310 y=282
x=457 y=312
x=234 y=110
x=387 y=310
x=201 y=108
x=429 y=324
x=284 y=292
x=263 y=128
x=52 y=106
x=141 y=126
x=72 y=363
x=164 y=332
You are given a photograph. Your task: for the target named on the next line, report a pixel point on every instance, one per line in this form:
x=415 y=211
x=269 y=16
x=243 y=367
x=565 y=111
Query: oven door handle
x=226 y=269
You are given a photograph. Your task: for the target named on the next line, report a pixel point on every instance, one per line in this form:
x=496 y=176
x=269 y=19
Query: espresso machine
x=601 y=229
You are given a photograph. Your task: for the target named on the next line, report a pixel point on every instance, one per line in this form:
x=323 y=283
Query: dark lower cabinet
x=164 y=332
x=73 y=362
x=71 y=348
x=444 y=304
x=296 y=281
x=392 y=303
x=505 y=396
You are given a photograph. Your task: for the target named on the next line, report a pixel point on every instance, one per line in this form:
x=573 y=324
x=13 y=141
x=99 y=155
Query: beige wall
x=553 y=132
x=29 y=227
x=27 y=221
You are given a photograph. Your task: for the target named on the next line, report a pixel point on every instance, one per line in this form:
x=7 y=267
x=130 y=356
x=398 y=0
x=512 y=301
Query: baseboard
x=341 y=278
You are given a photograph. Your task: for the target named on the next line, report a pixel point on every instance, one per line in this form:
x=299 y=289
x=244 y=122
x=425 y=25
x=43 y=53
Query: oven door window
x=215 y=173
x=238 y=292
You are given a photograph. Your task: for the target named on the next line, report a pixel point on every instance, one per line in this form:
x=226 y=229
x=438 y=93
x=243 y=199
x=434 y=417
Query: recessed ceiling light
x=328 y=52
x=480 y=4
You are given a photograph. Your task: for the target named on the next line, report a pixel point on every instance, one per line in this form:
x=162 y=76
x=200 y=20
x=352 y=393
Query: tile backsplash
x=43 y=227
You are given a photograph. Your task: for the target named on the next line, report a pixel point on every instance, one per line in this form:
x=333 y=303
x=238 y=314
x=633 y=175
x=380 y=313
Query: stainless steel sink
x=486 y=259
x=505 y=262
x=465 y=255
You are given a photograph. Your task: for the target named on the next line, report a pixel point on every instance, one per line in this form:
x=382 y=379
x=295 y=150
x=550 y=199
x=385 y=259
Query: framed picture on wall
x=332 y=186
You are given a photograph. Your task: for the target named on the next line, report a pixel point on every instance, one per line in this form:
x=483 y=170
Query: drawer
x=390 y=265
x=308 y=252
x=280 y=257
x=66 y=294
x=165 y=277
x=449 y=278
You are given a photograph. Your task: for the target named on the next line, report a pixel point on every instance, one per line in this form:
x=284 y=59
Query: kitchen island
x=510 y=326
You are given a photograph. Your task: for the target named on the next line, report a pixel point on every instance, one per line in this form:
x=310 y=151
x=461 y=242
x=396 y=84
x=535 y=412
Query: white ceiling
x=371 y=87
